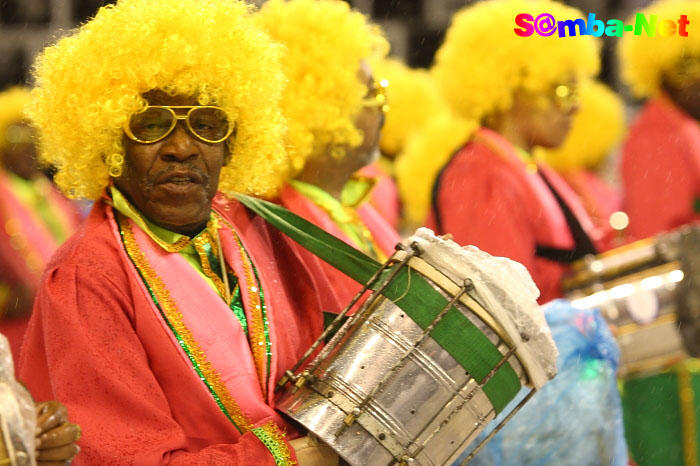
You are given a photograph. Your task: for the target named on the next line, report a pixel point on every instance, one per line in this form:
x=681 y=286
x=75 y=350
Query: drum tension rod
x=498 y=428
x=467 y=285
x=300 y=380
x=479 y=385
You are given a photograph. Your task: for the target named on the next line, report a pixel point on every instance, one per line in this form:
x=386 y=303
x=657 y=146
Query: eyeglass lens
x=154 y=123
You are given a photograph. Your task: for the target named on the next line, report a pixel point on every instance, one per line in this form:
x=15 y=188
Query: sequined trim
x=273 y=438
x=172 y=316
x=200 y=243
x=256 y=325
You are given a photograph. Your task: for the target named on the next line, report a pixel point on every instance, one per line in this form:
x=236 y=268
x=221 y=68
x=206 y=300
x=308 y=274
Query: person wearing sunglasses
x=165 y=322
x=660 y=162
x=34 y=217
x=596 y=131
x=335 y=109
x=491 y=193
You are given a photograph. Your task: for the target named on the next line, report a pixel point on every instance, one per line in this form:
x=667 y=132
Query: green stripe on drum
x=454 y=333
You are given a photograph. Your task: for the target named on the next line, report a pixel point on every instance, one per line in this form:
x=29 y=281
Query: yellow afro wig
x=12 y=104
x=413 y=98
x=426 y=152
x=597 y=128
x=90 y=82
x=482 y=62
x=326 y=42
x=644 y=60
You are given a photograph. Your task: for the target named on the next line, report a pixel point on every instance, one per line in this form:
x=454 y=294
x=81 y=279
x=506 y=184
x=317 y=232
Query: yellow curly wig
x=597 y=128
x=643 y=59
x=483 y=62
x=426 y=152
x=413 y=98
x=326 y=41
x=90 y=82
x=12 y=104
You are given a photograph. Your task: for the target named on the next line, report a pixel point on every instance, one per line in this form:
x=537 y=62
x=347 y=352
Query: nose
x=179 y=145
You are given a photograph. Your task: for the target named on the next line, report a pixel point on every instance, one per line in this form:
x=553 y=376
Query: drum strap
x=455 y=333
x=583 y=245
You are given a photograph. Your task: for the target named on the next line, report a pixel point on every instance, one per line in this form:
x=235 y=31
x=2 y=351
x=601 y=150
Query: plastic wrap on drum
x=504 y=287
x=17 y=412
x=576 y=419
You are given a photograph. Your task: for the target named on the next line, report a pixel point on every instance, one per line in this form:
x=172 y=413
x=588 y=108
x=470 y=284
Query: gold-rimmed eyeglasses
x=377 y=97
x=208 y=123
x=566 y=96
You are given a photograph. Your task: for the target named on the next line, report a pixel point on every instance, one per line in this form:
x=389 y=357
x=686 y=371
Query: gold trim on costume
x=256 y=326
x=173 y=315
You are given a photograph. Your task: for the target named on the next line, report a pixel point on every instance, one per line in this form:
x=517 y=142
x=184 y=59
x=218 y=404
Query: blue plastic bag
x=576 y=419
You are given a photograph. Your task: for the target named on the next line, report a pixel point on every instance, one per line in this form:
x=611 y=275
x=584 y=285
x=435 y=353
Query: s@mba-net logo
x=546 y=25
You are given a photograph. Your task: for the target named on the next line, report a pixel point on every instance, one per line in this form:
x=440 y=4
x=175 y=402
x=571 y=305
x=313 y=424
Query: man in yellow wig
x=660 y=166
x=164 y=324
x=597 y=129
x=34 y=217
x=334 y=106
x=415 y=100
x=523 y=91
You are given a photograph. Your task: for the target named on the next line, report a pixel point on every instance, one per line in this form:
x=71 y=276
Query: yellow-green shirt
x=161 y=235
x=343 y=213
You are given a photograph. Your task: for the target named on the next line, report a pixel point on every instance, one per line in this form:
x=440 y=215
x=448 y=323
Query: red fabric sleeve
x=660 y=179
x=480 y=205
x=82 y=349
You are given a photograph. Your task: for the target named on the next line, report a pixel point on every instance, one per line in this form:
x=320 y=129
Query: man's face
x=173 y=181
x=550 y=116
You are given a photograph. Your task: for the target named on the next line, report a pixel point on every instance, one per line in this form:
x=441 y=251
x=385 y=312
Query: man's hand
x=311 y=452
x=55 y=436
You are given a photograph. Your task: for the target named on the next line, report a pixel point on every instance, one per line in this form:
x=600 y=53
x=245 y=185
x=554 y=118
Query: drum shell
x=430 y=390
x=648 y=293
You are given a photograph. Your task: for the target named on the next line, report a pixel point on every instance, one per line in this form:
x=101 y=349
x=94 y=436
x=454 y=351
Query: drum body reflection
x=648 y=293
x=403 y=384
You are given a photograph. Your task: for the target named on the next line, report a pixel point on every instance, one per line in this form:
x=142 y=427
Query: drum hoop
x=420 y=265
x=584 y=284
x=581 y=264
x=447 y=285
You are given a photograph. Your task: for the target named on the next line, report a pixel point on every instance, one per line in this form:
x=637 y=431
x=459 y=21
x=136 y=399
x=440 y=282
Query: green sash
x=413 y=294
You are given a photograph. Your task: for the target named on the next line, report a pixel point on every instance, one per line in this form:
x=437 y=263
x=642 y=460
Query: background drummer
x=334 y=106
x=491 y=193
x=660 y=165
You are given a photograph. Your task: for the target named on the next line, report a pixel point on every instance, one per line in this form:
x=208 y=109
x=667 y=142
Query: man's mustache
x=152 y=180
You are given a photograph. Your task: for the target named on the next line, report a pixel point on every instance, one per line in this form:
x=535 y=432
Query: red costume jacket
x=98 y=342
x=26 y=245
x=660 y=170
x=342 y=288
x=485 y=196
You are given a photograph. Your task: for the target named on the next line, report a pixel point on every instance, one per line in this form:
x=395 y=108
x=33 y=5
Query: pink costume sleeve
x=83 y=347
x=479 y=205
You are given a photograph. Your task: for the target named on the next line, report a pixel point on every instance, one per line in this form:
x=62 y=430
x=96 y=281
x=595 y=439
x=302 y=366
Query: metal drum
x=385 y=390
x=648 y=292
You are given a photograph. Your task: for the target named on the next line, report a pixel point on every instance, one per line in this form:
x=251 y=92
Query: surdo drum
x=649 y=293
x=439 y=343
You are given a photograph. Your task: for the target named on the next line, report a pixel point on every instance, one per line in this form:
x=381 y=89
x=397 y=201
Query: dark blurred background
x=415 y=27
